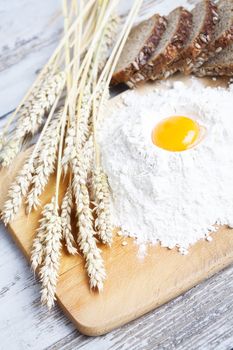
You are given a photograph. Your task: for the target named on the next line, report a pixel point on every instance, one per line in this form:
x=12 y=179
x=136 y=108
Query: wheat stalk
x=88 y=153
x=70 y=142
x=17 y=191
x=79 y=176
x=45 y=161
x=86 y=235
x=21 y=184
x=83 y=132
x=37 y=252
x=31 y=115
x=66 y=209
x=9 y=151
x=107 y=71
x=57 y=55
x=49 y=270
x=87 y=243
x=69 y=150
x=103 y=224
x=84 y=123
x=32 y=112
x=109 y=36
x=67 y=44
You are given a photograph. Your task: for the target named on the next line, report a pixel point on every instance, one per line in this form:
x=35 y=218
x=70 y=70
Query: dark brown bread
x=179 y=24
x=223 y=33
x=142 y=41
x=204 y=20
x=221 y=64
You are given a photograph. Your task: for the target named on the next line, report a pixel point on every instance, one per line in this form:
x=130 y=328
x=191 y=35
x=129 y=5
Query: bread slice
x=223 y=32
x=204 y=19
x=179 y=23
x=221 y=64
x=142 y=41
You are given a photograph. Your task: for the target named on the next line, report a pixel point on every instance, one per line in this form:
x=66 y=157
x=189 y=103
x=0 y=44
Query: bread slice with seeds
x=204 y=19
x=223 y=32
x=142 y=41
x=221 y=64
x=179 y=23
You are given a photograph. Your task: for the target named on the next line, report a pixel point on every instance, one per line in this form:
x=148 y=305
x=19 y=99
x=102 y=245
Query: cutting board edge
x=99 y=330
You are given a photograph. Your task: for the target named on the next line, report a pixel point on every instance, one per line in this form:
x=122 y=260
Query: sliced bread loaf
x=221 y=64
x=142 y=41
x=204 y=19
x=223 y=32
x=179 y=23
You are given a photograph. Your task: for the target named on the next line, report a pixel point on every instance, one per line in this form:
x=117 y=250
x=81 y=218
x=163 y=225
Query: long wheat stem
x=67 y=44
x=118 y=47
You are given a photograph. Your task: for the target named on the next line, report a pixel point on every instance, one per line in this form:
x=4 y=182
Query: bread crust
x=153 y=69
x=213 y=48
x=145 y=53
x=215 y=71
x=190 y=55
x=175 y=56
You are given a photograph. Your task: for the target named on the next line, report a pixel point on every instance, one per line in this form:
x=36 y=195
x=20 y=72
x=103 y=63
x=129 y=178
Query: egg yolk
x=176 y=133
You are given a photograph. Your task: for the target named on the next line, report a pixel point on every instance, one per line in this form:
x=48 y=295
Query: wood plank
x=24 y=323
x=135 y=287
x=199 y=319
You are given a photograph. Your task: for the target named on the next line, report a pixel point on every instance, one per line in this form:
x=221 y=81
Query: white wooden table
x=200 y=319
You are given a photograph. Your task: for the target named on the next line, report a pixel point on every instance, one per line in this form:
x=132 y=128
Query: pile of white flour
x=175 y=198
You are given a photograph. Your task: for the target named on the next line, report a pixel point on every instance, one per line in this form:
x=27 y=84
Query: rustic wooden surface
x=199 y=319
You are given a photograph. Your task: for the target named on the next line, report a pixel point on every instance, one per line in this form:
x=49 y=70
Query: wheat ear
x=69 y=149
x=84 y=130
x=45 y=161
x=86 y=234
x=103 y=223
x=49 y=270
x=31 y=115
x=66 y=209
x=108 y=40
x=88 y=153
x=37 y=252
x=17 y=191
x=84 y=122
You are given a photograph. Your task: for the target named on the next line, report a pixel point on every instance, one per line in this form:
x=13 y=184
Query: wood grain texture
x=134 y=285
x=199 y=319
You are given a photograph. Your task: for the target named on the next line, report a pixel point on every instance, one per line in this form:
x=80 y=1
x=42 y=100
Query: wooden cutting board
x=134 y=285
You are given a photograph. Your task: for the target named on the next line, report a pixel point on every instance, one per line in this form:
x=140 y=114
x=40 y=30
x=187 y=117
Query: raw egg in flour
x=176 y=133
